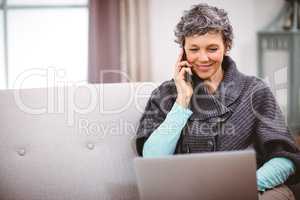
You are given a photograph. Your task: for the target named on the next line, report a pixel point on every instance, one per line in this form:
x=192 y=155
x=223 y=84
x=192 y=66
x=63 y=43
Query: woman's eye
x=213 y=49
x=193 y=49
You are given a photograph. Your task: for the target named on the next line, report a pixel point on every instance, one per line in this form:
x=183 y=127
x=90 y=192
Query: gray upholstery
x=70 y=142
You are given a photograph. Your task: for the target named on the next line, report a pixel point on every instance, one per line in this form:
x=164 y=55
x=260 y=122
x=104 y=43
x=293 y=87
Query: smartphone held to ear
x=187 y=76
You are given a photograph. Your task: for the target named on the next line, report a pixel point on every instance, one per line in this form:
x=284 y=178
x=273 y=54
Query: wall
x=247 y=18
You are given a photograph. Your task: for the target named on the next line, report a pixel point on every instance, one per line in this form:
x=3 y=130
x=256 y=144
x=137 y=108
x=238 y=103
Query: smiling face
x=205 y=53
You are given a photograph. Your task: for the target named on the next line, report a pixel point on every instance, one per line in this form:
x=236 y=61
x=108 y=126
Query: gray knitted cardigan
x=242 y=113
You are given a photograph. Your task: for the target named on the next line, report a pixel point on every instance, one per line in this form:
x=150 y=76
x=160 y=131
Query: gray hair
x=202 y=18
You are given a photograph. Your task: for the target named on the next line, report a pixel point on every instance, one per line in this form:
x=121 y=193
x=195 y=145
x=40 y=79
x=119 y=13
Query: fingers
x=189 y=70
x=181 y=64
x=184 y=64
x=181 y=74
x=179 y=56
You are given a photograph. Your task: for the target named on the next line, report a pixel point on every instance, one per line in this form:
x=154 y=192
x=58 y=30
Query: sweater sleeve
x=272 y=136
x=274 y=172
x=164 y=139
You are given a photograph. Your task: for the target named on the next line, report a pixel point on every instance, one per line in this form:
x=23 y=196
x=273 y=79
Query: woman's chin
x=203 y=76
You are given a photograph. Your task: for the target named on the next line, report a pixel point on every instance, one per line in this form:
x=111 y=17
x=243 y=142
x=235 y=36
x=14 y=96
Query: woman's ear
x=226 y=52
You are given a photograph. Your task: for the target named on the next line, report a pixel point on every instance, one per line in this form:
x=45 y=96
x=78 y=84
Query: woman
x=221 y=109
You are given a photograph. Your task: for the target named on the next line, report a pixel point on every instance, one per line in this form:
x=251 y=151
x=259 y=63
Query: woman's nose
x=203 y=57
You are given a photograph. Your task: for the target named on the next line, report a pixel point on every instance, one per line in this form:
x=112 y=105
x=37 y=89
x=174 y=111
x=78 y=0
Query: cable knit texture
x=242 y=113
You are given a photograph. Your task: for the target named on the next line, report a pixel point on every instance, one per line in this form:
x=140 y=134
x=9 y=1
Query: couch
x=74 y=142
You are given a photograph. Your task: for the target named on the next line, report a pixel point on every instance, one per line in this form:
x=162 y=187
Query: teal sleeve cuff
x=274 y=172
x=179 y=110
x=164 y=139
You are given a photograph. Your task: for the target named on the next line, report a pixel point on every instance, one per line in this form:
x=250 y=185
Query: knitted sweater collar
x=209 y=106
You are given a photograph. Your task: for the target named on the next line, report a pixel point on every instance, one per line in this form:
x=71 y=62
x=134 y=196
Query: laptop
x=227 y=175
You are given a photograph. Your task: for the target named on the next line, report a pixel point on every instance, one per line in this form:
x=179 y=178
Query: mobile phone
x=187 y=76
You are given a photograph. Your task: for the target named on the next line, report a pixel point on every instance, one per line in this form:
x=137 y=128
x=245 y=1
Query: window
x=47 y=2
x=2 y=59
x=47 y=42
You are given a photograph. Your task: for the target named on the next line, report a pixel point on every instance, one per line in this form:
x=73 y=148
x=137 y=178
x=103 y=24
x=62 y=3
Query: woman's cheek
x=190 y=59
x=217 y=56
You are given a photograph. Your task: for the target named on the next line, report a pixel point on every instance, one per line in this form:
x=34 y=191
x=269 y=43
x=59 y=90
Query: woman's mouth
x=204 y=67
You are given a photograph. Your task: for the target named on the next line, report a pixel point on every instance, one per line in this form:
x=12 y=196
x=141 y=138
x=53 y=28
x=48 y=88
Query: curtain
x=135 y=47
x=104 y=41
x=119 y=41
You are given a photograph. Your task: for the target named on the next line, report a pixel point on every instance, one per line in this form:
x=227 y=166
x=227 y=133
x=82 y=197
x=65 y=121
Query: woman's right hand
x=184 y=88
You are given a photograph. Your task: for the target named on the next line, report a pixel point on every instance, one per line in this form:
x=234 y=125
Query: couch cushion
x=70 y=142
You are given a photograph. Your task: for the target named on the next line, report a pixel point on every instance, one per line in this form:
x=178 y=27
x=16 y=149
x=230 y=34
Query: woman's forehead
x=207 y=39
